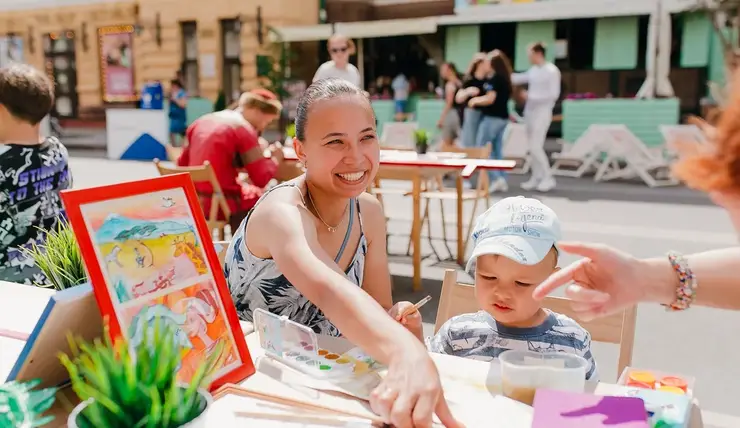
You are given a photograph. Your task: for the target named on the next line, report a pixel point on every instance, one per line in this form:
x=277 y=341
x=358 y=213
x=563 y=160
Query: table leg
x=416 y=231
x=460 y=221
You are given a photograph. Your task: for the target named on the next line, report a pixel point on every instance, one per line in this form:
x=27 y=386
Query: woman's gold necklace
x=328 y=227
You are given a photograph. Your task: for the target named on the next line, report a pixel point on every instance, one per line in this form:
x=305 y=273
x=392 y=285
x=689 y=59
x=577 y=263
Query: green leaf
x=137 y=387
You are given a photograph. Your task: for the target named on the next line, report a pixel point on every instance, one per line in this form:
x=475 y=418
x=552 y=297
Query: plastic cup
x=523 y=372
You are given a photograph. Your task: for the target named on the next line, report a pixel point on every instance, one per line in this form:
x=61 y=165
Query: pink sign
x=117 y=63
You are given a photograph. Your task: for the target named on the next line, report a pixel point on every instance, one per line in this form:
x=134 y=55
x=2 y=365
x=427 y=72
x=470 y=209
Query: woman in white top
x=340 y=49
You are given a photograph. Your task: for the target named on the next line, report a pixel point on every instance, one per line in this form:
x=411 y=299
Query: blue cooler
x=152 y=96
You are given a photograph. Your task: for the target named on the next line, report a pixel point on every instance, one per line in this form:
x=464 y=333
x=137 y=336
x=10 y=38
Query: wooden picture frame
x=148 y=253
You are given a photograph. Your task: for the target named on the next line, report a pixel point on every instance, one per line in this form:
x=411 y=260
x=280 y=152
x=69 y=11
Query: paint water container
x=152 y=96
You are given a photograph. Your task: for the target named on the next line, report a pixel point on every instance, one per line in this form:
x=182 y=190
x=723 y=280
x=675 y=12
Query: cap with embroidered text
x=521 y=229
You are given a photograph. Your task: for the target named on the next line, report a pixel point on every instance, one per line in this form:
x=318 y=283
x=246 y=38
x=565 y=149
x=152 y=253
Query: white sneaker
x=499 y=185
x=530 y=184
x=546 y=185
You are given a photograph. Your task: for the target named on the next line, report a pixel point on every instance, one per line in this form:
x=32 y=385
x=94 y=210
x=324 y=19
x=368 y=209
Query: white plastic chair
x=639 y=160
x=516 y=147
x=581 y=157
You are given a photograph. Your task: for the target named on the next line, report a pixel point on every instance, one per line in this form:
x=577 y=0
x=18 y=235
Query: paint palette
x=297 y=346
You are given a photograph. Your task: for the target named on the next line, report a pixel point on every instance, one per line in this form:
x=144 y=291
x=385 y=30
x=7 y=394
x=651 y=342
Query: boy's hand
x=411 y=321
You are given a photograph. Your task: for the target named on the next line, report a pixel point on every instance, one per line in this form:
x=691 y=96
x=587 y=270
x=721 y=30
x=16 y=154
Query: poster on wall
x=11 y=50
x=117 y=63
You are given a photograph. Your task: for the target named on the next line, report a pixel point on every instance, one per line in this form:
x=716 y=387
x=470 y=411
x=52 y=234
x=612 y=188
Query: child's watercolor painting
x=193 y=313
x=149 y=255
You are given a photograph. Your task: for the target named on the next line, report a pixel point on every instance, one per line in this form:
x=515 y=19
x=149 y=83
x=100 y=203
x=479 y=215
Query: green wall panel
x=615 y=43
x=528 y=33
x=642 y=117
x=696 y=40
x=461 y=43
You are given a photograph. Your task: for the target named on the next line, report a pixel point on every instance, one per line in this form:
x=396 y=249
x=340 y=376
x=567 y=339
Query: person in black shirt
x=33 y=171
x=478 y=72
x=493 y=104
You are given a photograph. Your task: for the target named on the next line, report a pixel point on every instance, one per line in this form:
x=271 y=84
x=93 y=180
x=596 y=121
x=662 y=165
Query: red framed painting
x=149 y=255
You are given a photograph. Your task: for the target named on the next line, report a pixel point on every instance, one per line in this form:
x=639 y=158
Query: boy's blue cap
x=521 y=229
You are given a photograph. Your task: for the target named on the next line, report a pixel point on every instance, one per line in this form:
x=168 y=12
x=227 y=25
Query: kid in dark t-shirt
x=33 y=172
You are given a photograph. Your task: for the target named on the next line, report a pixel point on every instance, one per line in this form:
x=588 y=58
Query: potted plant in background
x=421 y=137
x=22 y=406
x=121 y=387
x=59 y=258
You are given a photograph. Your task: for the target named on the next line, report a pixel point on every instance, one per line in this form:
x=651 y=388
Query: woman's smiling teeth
x=353 y=176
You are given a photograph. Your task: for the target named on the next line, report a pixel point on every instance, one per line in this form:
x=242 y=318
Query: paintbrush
x=12 y=334
x=410 y=310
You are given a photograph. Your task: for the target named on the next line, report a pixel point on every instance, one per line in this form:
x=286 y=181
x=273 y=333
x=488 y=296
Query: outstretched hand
x=604 y=282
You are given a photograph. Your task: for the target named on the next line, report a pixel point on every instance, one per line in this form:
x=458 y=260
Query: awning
x=301 y=33
x=387 y=28
x=560 y=9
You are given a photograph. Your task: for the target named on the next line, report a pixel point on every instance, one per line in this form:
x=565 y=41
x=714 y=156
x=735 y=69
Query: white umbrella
x=647 y=90
x=663 y=86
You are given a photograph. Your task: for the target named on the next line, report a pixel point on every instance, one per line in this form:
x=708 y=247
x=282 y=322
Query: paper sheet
x=233 y=411
x=10 y=349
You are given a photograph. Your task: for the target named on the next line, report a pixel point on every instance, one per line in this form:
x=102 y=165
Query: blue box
x=152 y=96
x=665 y=409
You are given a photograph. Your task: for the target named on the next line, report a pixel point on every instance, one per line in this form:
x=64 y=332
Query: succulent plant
x=22 y=407
x=139 y=387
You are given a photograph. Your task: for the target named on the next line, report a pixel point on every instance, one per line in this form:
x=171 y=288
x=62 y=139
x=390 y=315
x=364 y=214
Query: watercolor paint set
x=657 y=381
x=298 y=347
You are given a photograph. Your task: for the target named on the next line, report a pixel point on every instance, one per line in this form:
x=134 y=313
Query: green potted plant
x=290 y=130
x=123 y=387
x=59 y=258
x=421 y=137
x=22 y=406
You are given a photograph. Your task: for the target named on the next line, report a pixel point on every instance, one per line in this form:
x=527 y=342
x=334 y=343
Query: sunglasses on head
x=338 y=50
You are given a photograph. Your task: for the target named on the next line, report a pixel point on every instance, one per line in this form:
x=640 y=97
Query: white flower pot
x=199 y=422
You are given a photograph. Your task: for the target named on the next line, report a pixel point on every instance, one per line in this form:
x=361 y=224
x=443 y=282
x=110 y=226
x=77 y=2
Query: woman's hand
x=605 y=281
x=411 y=321
x=472 y=91
x=411 y=392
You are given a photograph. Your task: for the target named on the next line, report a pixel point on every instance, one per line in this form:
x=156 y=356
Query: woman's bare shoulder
x=372 y=213
x=288 y=194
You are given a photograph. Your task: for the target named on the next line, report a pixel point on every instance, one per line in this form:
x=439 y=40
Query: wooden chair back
x=204 y=174
x=459 y=298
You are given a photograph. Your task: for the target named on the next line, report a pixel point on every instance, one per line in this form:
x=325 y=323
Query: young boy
x=33 y=171
x=514 y=251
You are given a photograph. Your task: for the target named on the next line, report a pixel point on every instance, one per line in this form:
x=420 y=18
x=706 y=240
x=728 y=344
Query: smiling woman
x=313 y=250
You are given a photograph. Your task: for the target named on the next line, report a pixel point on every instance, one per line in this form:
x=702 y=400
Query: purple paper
x=559 y=409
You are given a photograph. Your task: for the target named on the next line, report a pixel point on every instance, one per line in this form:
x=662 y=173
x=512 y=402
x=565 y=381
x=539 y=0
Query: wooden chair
x=458 y=298
x=204 y=174
x=439 y=192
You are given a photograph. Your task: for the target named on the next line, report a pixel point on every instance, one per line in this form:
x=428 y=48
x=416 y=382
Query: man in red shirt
x=229 y=140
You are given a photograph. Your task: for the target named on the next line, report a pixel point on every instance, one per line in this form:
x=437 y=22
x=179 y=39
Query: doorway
x=61 y=66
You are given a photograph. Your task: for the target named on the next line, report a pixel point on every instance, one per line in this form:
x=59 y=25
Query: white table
x=470 y=386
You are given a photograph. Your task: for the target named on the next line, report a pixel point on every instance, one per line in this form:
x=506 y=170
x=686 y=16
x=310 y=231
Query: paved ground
x=645 y=222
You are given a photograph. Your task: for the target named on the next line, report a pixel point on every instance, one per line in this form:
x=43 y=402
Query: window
x=231 y=48
x=61 y=66
x=189 y=35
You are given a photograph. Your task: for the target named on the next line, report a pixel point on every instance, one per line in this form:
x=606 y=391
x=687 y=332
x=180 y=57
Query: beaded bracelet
x=687 y=284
